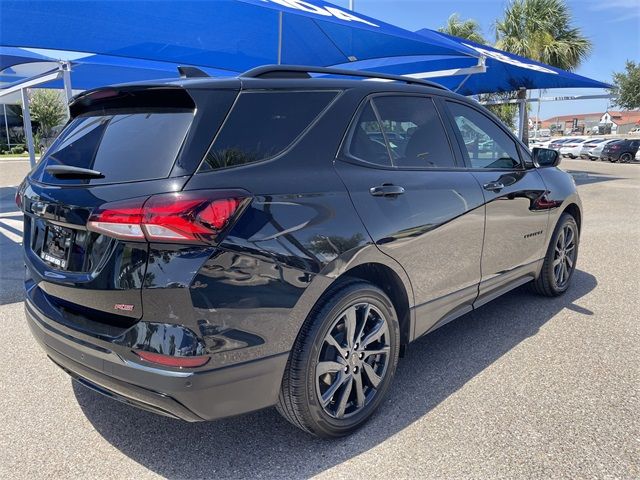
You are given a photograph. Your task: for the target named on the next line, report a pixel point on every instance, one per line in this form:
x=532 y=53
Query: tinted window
x=123 y=147
x=487 y=145
x=415 y=132
x=262 y=125
x=367 y=141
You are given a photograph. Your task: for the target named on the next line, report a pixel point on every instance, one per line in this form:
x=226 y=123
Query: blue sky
x=612 y=25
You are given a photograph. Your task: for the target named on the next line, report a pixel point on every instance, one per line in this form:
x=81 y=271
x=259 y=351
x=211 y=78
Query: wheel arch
x=574 y=210
x=389 y=282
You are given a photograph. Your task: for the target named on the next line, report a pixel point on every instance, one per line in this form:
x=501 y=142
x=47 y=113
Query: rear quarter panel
x=249 y=297
x=562 y=191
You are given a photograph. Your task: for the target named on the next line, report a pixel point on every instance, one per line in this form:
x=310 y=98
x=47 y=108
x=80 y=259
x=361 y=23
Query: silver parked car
x=594 y=153
x=589 y=145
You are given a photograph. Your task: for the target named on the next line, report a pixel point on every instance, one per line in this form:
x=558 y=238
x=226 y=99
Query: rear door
x=131 y=144
x=514 y=193
x=417 y=201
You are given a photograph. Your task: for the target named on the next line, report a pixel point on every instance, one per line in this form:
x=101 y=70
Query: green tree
x=47 y=108
x=542 y=30
x=469 y=29
x=626 y=86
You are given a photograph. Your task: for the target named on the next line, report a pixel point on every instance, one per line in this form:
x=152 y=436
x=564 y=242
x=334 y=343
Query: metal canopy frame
x=523 y=101
x=63 y=70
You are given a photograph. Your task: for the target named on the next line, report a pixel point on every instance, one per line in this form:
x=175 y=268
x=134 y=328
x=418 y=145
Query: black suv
x=622 y=150
x=206 y=247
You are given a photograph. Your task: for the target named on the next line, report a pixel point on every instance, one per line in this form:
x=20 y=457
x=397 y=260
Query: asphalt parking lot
x=523 y=387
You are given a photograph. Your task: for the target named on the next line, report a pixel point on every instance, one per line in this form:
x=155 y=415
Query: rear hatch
x=611 y=147
x=121 y=146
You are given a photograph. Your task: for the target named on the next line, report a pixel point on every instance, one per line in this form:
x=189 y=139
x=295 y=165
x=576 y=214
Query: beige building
x=586 y=123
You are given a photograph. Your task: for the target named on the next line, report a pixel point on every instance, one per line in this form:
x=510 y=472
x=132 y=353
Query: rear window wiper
x=67 y=171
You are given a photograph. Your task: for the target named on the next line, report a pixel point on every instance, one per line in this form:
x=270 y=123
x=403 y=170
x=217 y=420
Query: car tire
x=317 y=397
x=626 y=158
x=562 y=253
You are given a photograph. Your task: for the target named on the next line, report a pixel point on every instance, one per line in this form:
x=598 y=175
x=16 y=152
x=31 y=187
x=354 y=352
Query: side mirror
x=545 y=157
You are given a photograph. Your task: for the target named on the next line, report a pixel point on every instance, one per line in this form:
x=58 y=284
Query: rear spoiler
x=135 y=96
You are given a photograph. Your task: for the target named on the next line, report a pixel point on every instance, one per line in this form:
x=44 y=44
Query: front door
x=417 y=201
x=516 y=224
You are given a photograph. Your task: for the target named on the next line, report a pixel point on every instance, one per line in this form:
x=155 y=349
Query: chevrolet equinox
x=203 y=247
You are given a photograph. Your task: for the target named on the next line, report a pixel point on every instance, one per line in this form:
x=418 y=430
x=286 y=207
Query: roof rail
x=299 y=71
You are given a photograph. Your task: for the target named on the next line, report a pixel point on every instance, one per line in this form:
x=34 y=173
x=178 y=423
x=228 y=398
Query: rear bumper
x=183 y=394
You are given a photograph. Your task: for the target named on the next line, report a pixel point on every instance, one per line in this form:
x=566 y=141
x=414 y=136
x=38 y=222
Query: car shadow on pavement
x=262 y=443
x=11 y=263
x=585 y=177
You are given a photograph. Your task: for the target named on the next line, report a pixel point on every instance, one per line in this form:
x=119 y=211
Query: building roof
x=624 y=118
x=617 y=117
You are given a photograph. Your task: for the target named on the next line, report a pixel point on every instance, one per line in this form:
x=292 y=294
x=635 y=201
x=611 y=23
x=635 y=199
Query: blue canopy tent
x=99 y=70
x=233 y=35
x=505 y=72
x=11 y=56
x=229 y=35
x=146 y=40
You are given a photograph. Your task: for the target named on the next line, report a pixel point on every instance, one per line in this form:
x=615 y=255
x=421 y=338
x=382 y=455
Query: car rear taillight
x=172 y=361
x=196 y=216
x=19 y=199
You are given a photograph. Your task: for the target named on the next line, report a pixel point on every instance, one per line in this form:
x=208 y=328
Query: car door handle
x=493 y=186
x=386 y=190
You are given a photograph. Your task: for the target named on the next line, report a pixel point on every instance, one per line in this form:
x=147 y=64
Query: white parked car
x=572 y=148
x=540 y=142
x=594 y=153
x=638 y=155
x=589 y=145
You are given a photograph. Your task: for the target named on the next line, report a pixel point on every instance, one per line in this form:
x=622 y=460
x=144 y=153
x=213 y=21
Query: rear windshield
x=124 y=146
x=263 y=125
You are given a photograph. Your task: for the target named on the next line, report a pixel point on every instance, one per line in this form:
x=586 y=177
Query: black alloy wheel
x=564 y=256
x=353 y=360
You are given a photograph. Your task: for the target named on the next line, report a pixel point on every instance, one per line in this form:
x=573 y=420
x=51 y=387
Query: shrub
x=17 y=149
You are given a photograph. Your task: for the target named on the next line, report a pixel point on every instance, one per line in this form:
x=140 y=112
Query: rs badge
x=125 y=307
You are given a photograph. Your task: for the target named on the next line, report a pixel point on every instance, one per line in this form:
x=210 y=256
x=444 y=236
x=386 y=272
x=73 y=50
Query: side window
x=367 y=142
x=487 y=145
x=415 y=132
x=262 y=125
x=412 y=129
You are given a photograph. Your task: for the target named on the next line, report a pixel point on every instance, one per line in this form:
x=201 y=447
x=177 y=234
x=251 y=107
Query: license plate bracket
x=57 y=246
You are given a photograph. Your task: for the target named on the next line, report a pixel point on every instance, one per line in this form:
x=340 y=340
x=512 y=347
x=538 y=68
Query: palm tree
x=541 y=30
x=469 y=29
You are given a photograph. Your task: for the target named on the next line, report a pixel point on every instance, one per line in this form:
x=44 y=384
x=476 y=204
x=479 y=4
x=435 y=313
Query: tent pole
x=26 y=121
x=521 y=109
x=280 y=38
x=351 y=5
x=66 y=80
x=6 y=125
x=538 y=114
x=460 y=85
